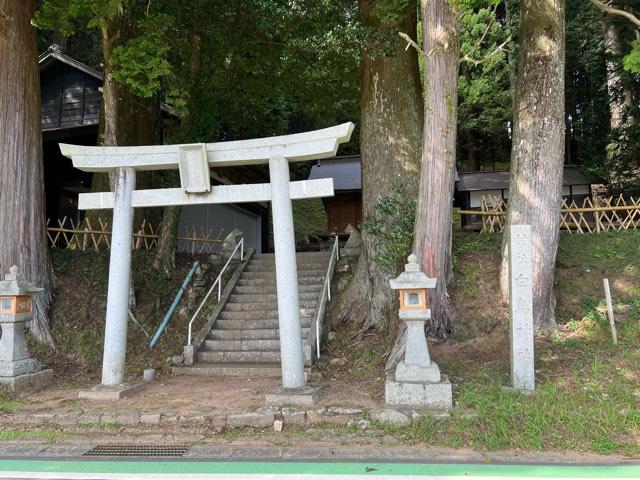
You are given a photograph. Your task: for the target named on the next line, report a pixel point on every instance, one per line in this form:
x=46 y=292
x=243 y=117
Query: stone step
x=268 y=297
x=267 y=289
x=248 y=334
x=317 y=274
x=237 y=356
x=254 y=324
x=269 y=267
x=244 y=345
x=232 y=369
x=298 y=255
x=258 y=282
x=261 y=315
x=264 y=306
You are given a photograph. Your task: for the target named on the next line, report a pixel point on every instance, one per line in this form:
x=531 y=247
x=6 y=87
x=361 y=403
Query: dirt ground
x=193 y=395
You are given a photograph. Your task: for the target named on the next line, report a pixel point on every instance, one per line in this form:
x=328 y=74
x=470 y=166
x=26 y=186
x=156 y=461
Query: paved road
x=294 y=470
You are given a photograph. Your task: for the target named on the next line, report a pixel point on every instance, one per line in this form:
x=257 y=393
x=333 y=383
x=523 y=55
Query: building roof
x=55 y=54
x=499 y=180
x=345 y=171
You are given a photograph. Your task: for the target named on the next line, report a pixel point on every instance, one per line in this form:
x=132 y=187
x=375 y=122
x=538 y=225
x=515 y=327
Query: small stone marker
x=353 y=247
x=149 y=375
x=521 y=309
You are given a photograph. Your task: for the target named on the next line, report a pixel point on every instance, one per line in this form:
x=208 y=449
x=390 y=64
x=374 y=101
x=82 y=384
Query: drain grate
x=137 y=451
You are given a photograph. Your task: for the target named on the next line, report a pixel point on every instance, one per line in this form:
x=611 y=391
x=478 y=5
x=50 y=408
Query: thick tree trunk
x=23 y=240
x=390 y=134
x=432 y=243
x=538 y=148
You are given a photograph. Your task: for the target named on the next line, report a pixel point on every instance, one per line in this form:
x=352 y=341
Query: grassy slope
x=79 y=308
x=588 y=395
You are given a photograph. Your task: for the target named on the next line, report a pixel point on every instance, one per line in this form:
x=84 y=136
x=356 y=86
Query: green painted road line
x=308 y=468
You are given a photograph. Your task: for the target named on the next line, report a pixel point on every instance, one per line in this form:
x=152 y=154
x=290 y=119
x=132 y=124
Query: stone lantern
x=417 y=380
x=18 y=371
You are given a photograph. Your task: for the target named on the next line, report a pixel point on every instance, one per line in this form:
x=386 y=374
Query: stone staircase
x=244 y=340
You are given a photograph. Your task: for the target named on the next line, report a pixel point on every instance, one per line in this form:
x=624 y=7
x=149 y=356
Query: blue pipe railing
x=174 y=305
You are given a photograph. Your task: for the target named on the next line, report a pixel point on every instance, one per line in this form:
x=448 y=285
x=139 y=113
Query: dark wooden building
x=71 y=97
x=346 y=206
x=70 y=103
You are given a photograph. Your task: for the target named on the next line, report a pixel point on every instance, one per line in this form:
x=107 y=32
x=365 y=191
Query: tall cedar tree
x=23 y=240
x=432 y=242
x=537 y=155
x=390 y=135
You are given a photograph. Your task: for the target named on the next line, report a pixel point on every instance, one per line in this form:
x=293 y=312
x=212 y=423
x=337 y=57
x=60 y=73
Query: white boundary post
x=292 y=359
x=115 y=335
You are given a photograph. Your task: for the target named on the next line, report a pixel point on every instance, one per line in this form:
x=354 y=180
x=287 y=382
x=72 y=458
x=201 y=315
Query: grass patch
x=588 y=390
x=9 y=406
x=16 y=433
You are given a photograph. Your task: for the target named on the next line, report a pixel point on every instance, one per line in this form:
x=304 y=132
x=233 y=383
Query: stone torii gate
x=194 y=162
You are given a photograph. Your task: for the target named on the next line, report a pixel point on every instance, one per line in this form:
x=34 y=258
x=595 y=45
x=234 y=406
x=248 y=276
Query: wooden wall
x=69 y=97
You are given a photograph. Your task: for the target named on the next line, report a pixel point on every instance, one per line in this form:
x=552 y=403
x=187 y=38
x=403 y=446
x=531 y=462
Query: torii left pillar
x=115 y=334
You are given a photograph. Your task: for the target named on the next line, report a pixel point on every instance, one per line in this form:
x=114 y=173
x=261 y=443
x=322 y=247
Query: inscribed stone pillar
x=521 y=308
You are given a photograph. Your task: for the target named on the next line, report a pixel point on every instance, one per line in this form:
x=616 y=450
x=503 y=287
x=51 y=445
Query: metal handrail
x=218 y=282
x=326 y=289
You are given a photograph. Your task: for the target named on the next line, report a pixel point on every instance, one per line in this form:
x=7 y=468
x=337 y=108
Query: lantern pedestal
x=432 y=395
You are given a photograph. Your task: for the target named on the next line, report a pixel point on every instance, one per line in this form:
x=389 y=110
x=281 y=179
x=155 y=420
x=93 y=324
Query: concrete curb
x=261 y=418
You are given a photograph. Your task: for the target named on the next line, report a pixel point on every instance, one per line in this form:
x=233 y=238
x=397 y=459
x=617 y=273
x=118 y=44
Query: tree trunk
x=390 y=134
x=165 y=259
x=23 y=240
x=126 y=120
x=618 y=97
x=538 y=149
x=432 y=243
x=471 y=162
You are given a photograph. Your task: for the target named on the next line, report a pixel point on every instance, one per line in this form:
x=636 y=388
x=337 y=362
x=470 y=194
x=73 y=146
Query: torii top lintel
x=297 y=147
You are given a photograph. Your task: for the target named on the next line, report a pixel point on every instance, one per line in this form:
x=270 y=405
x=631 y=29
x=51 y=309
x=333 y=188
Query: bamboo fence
x=65 y=234
x=592 y=215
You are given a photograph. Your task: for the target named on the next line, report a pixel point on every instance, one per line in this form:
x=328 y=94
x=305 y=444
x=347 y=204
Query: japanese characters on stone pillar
x=521 y=308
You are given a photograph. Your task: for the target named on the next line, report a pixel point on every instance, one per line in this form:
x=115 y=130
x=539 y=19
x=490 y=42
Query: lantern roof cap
x=15 y=284
x=412 y=277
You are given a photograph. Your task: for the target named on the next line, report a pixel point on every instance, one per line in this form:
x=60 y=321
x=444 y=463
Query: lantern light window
x=6 y=304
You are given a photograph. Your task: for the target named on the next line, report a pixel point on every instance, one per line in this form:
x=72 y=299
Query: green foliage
x=586 y=96
x=631 y=61
x=68 y=16
x=484 y=90
x=392 y=226
x=142 y=62
x=390 y=12
x=139 y=35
